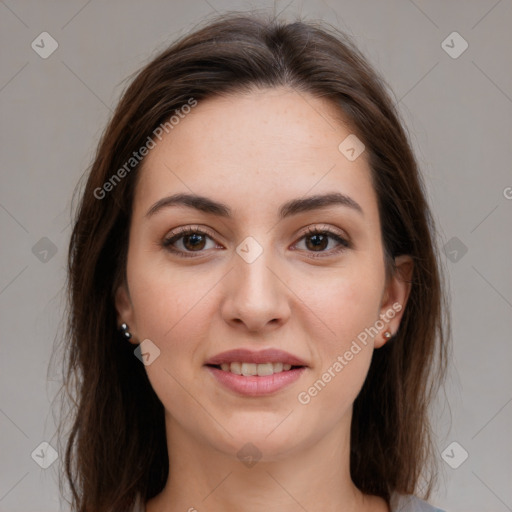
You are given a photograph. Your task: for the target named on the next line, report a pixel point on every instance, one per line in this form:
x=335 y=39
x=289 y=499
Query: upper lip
x=242 y=355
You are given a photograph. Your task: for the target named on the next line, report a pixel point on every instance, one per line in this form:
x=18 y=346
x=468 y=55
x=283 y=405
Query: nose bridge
x=255 y=295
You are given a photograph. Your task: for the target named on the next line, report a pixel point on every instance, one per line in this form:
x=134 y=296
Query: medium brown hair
x=116 y=446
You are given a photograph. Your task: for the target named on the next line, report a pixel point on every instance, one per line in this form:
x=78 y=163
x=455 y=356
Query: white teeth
x=265 y=369
x=249 y=369
x=235 y=368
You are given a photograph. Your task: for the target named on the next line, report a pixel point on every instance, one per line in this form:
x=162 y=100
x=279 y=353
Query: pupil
x=322 y=242
x=196 y=241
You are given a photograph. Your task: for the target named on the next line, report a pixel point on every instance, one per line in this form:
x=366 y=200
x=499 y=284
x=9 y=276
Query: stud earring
x=124 y=328
x=387 y=335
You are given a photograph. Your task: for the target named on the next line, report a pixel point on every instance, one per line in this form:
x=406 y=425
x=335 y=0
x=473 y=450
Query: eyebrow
x=293 y=207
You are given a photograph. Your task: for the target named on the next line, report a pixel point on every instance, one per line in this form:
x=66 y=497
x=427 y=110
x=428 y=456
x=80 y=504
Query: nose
x=256 y=298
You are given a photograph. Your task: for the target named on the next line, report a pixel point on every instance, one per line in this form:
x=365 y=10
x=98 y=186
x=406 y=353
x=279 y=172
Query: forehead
x=261 y=147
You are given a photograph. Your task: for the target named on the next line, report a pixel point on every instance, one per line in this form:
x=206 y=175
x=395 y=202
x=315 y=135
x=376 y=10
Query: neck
x=316 y=477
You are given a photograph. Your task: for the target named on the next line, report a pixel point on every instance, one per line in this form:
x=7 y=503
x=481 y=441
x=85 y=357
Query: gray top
x=408 y=503
x=399 y=503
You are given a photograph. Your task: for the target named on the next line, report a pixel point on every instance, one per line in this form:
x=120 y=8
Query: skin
x=254 y=152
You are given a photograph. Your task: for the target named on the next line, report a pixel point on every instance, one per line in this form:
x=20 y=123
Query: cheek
x=166 y=300
x=172 y=310
x=347 y=302
x=349 y=307
x=177 y=323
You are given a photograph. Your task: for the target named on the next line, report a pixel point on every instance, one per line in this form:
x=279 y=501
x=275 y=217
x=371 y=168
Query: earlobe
x=124 y=309
x=395 y=298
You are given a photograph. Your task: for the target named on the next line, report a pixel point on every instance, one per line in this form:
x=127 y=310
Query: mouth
x=245 y=358
x=253 y=369
x=255 y=374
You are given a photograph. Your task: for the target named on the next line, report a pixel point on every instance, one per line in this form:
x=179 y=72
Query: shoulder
x=410 y=503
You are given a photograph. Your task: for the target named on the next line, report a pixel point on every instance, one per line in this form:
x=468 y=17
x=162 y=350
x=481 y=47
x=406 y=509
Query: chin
x=268 y=438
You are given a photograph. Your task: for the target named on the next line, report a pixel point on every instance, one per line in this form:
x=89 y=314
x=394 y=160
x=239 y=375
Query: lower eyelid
x=342 y=244
x=169 y=241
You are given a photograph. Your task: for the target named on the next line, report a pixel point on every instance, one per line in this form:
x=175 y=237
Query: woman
x=256 y=311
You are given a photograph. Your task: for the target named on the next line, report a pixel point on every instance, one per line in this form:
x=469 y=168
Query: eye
x=194 y=240
x=317 y=240
x=191 y=240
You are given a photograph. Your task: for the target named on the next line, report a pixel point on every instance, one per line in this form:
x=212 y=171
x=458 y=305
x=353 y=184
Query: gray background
x=458 y=112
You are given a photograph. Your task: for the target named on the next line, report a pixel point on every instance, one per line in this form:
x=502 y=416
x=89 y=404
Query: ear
x=124 y=308
x=395 y=298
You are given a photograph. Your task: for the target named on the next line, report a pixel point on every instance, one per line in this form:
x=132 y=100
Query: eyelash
x=182 y=232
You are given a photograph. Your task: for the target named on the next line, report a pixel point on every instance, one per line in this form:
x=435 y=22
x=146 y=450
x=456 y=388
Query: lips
x=260 y=357
x=254 y=374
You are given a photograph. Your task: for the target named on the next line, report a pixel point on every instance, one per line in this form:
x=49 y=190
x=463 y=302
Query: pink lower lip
x=254 y=385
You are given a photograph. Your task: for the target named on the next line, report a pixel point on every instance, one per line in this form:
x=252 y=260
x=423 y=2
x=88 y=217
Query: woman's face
x=272 y=271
